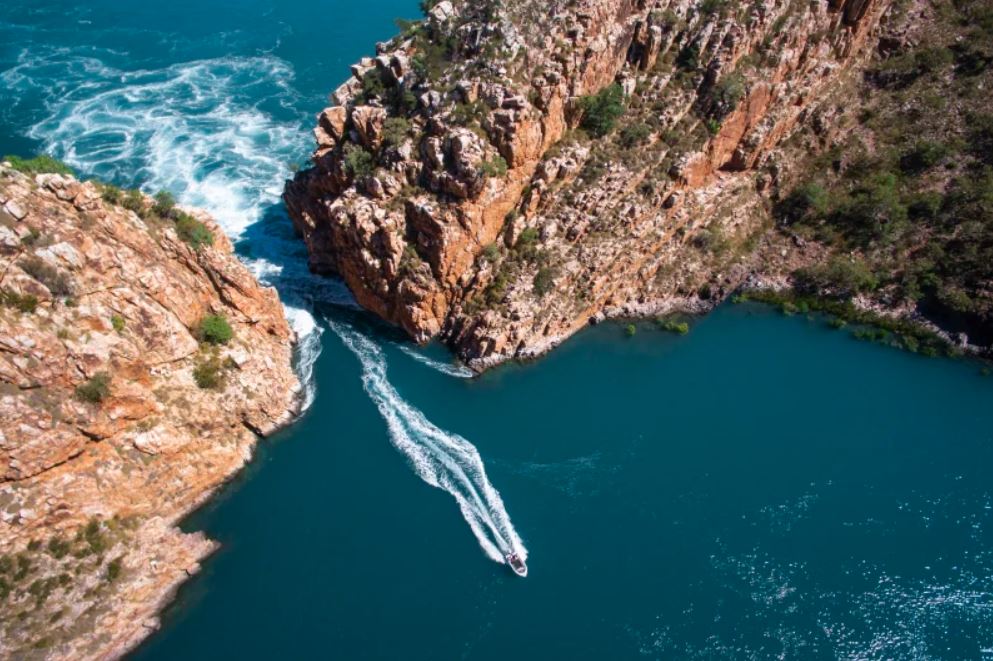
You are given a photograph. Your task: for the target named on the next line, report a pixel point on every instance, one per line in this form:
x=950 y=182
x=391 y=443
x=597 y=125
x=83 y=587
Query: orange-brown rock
x=713 y=94
x=92 y=290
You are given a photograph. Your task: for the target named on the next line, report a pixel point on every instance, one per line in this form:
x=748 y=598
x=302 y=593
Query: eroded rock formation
x=452 y=193
x=106 y=439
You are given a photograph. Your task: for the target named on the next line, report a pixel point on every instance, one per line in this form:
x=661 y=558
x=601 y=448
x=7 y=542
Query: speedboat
x=516 y=563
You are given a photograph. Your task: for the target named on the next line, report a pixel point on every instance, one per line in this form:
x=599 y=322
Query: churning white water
x=442 y=459
x=209 y=131
x=199 y=130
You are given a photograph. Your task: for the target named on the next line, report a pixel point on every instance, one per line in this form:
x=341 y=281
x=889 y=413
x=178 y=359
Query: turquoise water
x=764 y=487
x=761 y=486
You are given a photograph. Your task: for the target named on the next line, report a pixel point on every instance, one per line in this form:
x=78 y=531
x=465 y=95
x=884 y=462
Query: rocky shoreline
x=498 y=176
x=140 y=362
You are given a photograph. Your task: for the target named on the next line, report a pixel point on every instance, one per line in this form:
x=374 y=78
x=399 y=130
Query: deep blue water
x=764 y=487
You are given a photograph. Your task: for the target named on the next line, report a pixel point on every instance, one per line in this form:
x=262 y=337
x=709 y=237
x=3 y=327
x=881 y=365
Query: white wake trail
x=442 y=459
x=458 y=371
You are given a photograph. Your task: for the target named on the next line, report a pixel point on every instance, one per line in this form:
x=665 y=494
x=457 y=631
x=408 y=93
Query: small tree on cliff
x=602 y=110
x=95 y=390
x=215 y=329
x=358 y=162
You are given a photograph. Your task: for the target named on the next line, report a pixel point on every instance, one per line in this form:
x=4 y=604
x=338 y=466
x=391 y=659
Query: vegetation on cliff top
x=94 y=390
x=911 y=219
x=39 y=584
x=214 y=329
x=40 y=164
x=602 y=110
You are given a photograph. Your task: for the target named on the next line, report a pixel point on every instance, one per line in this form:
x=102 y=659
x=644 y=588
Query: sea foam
x=218 y=133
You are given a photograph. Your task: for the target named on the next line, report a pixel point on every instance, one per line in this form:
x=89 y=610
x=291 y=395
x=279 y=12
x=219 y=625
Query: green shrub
x=495 y=167
x=192 y=231
x=58 y=548
x=844 y=275
x=209 y=374
x=491 y=252
x=373 y=86
x=135 y=201
x=925 y=205
x=117 y=321
x=933 y=58
x=114 y=569
x=595 y=167
x=419 y=65
x=709 y=7
x=403 y=100
x=469 y=114
x=94 y=537
x=24 y=567
x=406 y=26
x=528 y=237
x=110 y=193
x=26 y=303
x=673 y=326
x=726 y=94
x=395 y=130
x=923 y=156
x=164 y=203
x=40 y=164
x=496 y=290
x=688 y=58
x=630 y=330
x=602 y=110
x=54 y=280
x=410 y=260
x=634 y=135
x=544 y=280
x=358 y=162
x=873 y=211
x=214 y=329
x=981 y=136
x=95 y=390
x=803 y=202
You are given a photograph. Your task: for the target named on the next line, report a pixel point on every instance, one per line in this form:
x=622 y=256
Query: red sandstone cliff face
x=91 y=288
x=427 y=229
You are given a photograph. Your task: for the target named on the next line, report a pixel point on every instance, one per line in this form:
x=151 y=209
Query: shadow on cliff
x=278 y=257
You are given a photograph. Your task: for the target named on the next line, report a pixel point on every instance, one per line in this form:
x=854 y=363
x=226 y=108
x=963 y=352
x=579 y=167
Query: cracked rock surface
x=89 y=288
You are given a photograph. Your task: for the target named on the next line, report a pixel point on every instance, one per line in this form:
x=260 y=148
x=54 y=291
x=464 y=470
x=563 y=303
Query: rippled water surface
x=762 y=488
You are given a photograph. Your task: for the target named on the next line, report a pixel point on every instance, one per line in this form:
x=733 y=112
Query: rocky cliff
x=502 y=173
x=139 y=362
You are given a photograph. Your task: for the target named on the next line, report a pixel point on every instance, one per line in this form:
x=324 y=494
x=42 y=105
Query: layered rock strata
x=106 y=438
x=459 y=139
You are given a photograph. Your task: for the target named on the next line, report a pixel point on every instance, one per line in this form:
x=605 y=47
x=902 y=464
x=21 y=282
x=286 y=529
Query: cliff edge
x=139 y=363
x=500 y=174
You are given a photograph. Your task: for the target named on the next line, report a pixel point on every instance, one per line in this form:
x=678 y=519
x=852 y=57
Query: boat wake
x=458 y=371
x=442 y=459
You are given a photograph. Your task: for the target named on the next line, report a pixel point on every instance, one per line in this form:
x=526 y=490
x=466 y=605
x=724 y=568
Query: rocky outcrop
x=106 y=438
x=459 y=138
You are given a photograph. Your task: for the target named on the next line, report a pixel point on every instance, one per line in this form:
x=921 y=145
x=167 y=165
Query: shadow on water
x=274 y=249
